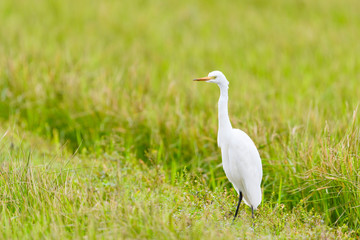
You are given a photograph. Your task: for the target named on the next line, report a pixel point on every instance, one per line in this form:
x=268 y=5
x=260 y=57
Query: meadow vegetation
x=104 y=135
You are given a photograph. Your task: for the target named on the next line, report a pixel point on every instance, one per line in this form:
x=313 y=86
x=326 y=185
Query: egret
x=240 y=158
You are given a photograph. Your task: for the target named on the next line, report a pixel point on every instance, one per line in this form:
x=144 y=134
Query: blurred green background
x=116 y=76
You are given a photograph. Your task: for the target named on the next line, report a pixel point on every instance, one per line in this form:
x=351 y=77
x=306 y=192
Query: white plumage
x=240 y=157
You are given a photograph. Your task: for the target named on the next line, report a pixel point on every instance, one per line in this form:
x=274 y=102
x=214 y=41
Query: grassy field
x=103 y=134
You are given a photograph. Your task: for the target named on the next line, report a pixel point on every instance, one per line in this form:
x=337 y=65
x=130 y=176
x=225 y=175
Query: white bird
x=240 y=157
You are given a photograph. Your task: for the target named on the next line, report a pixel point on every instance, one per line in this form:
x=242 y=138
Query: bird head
x=215 y=77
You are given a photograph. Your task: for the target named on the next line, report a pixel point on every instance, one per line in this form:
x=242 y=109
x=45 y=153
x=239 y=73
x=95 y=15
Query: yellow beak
x=203 y=79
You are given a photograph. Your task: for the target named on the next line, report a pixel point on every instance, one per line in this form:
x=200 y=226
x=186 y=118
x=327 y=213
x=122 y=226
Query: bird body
x=242 y=166
x=240 y=157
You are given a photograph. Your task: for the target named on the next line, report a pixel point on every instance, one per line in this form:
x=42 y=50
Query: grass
x=113 y=196
x=111 y=81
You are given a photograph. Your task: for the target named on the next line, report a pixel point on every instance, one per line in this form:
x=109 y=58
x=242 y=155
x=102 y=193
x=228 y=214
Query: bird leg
x=237 y=209
x=252 y=216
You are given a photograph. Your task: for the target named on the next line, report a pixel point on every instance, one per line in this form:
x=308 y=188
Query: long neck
x=224 y=120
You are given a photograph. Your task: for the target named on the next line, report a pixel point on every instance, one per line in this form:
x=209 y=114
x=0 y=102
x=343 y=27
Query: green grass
x=111 y=81
x=51 y=194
